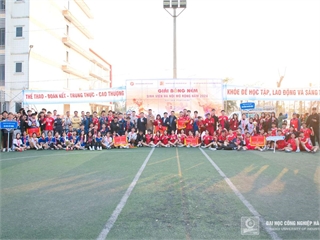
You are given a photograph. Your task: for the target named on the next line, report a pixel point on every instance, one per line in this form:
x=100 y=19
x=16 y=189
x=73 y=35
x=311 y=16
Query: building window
x=19 y=31
x=2 y=37
x=2 y=5
x=2 y=74
x=18 y=67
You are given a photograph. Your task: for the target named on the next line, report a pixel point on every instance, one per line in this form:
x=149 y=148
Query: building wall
x=44 y=28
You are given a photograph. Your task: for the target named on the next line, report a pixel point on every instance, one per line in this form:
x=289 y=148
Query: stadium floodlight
x=166 y=3
x=174 y=5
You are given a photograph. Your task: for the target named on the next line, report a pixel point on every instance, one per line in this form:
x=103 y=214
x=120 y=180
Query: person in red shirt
x=295 y=122
x=173 y=139
x=281 y=144
x=273 y=129
x=48 y=123
x=223 y=120
x=292 y=143
x=148 y=139
x=158 y=124
x=234 y=122
x=306 y=131
x=201 y=125
x=207 y=140
x=194 y=141
x=181 y=122
x=95 y=120
x=181 y=139
x=156 y=140
x=189 y=122
x=305 y=144
x=210 y=124
x=164 y=139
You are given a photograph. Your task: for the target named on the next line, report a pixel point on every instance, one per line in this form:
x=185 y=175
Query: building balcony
x=103 y=79
x=75 y=72
x=84 y=8
x=67 y=14
x=71 y=44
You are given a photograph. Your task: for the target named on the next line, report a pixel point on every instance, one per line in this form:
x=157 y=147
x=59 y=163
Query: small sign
x=259 y=141
x=8 y=125
x=120 y=141
x=247 y=106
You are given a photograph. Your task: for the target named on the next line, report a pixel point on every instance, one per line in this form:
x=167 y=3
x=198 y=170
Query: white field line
x=77 y=152
x=109 y=224
x=272 y=234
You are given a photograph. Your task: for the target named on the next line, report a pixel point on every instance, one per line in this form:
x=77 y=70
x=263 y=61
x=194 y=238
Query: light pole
x=30 y=48
x=174 y=5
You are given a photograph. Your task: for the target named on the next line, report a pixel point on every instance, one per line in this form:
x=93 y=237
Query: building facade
x=48 y=46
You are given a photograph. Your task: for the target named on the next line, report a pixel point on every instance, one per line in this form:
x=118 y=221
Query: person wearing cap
x=295 y=122
x=313 y=122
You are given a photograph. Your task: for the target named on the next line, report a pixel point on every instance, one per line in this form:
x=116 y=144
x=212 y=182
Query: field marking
x=70 y=154
x=272 y=234
x=109 y=224
x=178 y=162
x=183 y=198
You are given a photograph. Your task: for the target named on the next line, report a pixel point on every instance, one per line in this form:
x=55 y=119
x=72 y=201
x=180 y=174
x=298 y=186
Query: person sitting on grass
x=132 y=137
x=239 y=143
x=98 y=141
x=25 y=140
x=42 y=141
x=156 y=140
x=107 y=142
x=148 y=139
x=82 y=140
x=51 y=141
x=173 y=139
x=280 y=144
x=90 y=142
x=58 y=140
x=194 y=141
x=305 y=144
x=181 y=138
x=207 y=141
x=292 y=143
x=33 y=141
x=248 y=145
x=140 y=139
x=73 y=139
x=64 y=141
x=164 y=139
x=17 y=144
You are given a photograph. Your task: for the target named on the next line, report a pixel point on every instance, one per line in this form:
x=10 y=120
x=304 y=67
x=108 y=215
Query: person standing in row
x=313 y=122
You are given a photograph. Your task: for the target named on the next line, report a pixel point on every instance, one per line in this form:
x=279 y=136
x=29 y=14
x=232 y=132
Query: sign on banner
x=247 y=106
x=191 y=141
x=120 y=141
x=166 y=95
x=88 y=96
x=259 y=141
x=252 y=93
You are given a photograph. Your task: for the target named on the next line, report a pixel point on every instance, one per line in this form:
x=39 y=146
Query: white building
x=48 y=47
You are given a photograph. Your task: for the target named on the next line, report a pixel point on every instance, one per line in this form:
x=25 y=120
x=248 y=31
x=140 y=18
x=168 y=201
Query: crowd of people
x=85 y=131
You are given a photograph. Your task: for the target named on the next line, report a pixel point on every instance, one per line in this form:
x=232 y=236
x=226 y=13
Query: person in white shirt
x=107 y=141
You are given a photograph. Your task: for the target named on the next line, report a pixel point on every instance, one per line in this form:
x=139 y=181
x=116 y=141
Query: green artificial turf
x=180 y=195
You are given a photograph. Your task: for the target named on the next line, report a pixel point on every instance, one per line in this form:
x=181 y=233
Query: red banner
x=191 y=141
x=30 y=131
x=257 y=141
x=120 y=141
x=181 y=123
x=160 y=129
